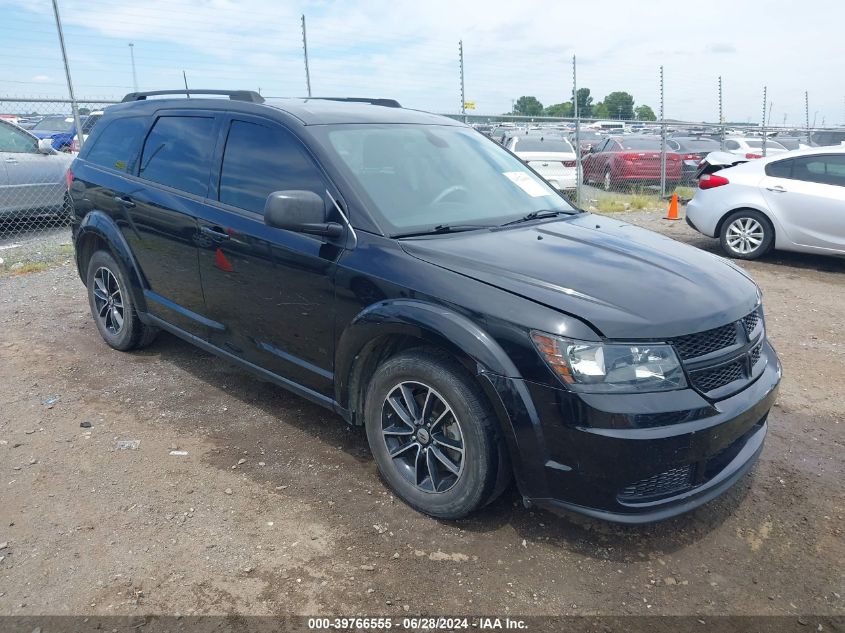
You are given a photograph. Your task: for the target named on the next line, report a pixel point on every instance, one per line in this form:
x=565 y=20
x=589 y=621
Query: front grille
x=755 y=353
x=665 y=483
x=750 y=321
x=712 y=379
x=695 y=345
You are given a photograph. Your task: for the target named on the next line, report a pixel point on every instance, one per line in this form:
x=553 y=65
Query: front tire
x=112 y=306
x=746 y=234
x=433 y=435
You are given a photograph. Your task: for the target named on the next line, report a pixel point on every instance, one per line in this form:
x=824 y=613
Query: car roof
x=831 y=149
x=306 y=111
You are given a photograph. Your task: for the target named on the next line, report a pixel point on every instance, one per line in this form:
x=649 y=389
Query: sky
x=409 y=51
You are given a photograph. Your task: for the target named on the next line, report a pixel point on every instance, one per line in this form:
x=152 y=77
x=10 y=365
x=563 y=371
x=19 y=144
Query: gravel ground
x=277 y=506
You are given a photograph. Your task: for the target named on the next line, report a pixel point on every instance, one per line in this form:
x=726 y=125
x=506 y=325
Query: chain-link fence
x=38 y=141
x=602 y=165
x=614 y=165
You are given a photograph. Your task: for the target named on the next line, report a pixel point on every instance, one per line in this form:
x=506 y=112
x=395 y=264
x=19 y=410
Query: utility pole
x=463 y=95
x=73 y=105
x=662 y=140
x=134 y=74
x=305 y=51
x=578 y=171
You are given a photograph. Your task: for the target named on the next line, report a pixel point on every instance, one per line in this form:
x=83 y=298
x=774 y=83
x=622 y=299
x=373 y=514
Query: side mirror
x=301 y=212
x=45 y=146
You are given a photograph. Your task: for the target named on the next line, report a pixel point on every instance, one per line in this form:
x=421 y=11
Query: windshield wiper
x=443 y=228
x=539 y=215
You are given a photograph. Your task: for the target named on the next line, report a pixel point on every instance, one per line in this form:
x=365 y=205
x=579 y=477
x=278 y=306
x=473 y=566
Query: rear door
x=807 y=194
x=271 y=289
x=159 y=210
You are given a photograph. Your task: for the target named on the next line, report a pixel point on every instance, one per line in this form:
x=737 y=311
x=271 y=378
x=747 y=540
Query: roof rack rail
x=234 y=95
x=388 y=103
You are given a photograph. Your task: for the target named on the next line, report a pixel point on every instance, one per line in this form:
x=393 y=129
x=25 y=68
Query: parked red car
x=630 y=160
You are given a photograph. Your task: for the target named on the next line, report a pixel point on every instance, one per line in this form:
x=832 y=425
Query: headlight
x=611 y=368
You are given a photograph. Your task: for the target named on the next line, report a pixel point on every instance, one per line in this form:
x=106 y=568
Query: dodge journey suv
x=418 y=279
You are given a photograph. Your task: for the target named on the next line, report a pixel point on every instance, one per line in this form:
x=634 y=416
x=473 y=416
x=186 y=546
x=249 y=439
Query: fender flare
x=426 y=321
x=100 y=225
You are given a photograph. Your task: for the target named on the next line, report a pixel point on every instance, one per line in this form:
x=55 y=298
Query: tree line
x=616 y=105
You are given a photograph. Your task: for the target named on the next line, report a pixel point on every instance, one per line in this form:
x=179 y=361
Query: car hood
x=623 y=280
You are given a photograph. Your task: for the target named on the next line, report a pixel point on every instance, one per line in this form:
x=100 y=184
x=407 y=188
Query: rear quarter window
x=780 y=169
x=117 y=146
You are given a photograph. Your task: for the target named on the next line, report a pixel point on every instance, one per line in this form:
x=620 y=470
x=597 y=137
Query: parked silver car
x=791 y=201
x=32 y=174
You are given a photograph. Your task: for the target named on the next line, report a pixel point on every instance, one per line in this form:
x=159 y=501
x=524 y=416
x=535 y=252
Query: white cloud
x=408 y=50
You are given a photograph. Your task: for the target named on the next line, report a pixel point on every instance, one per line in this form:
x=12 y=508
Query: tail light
x=569 y=163
x=68 y=179
x=692 y=157
x=630 y=156
x=751 y=156
x=709 y=181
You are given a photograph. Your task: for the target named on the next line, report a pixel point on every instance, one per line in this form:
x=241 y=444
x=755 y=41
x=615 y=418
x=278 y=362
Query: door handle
x=215 y=232
x=126 y=201
x=777 y=189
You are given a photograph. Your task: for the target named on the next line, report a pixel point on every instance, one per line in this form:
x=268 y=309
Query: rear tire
x=112 y=306
x=746 y=234
x=433 y=434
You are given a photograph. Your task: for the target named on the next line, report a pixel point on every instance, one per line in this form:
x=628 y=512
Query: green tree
x=84 y=111
x=600 y=111
x=559 y=109
x=585 y=102
x=620 y=105
x=645 y=113
x=528 y=106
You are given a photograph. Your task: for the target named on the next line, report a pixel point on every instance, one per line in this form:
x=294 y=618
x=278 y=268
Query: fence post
x=763 y=124
x=721 y=117
x=807 y=113
x=662 y=140
x=578 y=170
x=463 y=94
x=73 y=105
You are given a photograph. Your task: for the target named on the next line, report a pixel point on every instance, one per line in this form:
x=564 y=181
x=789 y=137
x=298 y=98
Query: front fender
x=429 y=322
x=97 y=226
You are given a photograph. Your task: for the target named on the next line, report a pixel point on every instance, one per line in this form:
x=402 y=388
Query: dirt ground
x=277 y=506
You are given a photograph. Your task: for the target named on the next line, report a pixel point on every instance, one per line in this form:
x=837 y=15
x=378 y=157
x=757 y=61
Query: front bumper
x=633 y=458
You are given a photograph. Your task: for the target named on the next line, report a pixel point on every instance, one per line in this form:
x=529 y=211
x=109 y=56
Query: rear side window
x=118 y=144
x=259 y=160
x=780 y=169
x=828 y=169
x=178 y=153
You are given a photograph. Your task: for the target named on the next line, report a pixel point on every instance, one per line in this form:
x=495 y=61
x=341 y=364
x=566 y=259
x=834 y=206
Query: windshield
x=698 y=145
x=648 y=144
x=541 y=144
x=759 y=144
x=418 y=177
x=55 y=124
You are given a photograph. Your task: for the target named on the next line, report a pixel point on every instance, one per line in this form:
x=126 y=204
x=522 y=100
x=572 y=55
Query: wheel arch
x=749 y=207
x=389 y=327
x=98 y=231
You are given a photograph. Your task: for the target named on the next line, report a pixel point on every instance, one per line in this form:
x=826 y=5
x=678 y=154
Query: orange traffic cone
x=673 y=208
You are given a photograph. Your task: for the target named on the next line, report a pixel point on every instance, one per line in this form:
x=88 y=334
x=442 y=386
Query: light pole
x=134 y=74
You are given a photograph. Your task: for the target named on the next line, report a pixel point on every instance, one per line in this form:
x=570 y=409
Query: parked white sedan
x=552 y=157
x=753 y=147
x=792 y=201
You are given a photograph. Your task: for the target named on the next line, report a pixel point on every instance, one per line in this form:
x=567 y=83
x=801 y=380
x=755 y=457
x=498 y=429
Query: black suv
x=415 y=277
